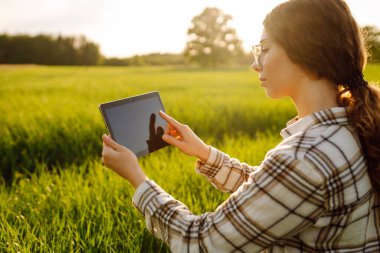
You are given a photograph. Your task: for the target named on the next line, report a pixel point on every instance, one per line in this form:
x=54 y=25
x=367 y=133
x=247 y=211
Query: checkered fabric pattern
x=311 y=193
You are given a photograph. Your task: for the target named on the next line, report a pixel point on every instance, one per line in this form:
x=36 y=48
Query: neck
x=313 y=96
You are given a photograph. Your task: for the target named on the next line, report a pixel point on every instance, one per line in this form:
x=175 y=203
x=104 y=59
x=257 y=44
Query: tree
x=48 y=50
x=87 y=52
x=211 y=41
x=373 y=43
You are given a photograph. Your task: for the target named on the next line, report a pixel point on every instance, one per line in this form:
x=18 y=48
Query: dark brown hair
x=323 y=38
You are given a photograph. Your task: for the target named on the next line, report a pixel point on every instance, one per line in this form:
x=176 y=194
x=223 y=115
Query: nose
x=256 y=66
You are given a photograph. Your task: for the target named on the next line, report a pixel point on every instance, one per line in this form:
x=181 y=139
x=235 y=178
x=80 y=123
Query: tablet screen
x=135 y=122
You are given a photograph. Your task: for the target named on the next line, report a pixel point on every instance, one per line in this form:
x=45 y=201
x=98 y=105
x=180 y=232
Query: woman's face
x=278 y=75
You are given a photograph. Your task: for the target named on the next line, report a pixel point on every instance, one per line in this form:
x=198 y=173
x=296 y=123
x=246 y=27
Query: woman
x=317 y=191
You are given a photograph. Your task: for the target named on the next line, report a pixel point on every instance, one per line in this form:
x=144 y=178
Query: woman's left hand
x=123 y=161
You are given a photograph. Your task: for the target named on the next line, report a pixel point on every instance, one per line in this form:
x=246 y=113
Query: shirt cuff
x=213 y=164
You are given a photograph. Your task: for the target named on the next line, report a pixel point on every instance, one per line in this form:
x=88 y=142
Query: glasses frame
x=257 y=50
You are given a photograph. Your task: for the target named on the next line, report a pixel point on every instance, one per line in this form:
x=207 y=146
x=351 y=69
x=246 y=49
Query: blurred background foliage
x=211 y=42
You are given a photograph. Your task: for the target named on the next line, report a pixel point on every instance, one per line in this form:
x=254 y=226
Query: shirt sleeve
x=281 y=199
x=223 y=172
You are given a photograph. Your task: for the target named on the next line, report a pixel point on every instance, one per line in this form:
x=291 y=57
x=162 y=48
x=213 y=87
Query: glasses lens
x=256 y=50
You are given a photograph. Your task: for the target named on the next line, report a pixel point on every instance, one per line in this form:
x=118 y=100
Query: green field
x=55 y=196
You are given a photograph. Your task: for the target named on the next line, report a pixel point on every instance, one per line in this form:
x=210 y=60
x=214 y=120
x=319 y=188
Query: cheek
x=274 y=73
x=279 y=72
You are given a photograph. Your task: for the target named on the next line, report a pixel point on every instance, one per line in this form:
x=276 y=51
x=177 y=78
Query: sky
x=123 y=28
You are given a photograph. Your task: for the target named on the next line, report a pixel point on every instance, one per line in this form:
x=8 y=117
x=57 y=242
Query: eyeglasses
x=257 y=50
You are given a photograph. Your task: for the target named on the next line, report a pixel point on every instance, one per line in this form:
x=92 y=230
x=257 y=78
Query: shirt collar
x=331 y=116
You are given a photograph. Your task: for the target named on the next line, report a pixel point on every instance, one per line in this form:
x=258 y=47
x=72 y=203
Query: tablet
x=135 y=123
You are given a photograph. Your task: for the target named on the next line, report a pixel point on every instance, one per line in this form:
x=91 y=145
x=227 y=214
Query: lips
x=262 y=80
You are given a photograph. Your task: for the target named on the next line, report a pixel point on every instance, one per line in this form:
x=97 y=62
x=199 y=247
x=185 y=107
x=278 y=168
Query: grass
x=60 y=198
x=50 y=114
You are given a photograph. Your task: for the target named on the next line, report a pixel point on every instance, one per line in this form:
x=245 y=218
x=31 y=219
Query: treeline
x=148 y=59
x=156 y=59
x=372 y=35
x=60 y=50
x=48 y=50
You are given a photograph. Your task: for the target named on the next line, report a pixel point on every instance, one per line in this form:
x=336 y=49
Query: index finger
x=169 y=119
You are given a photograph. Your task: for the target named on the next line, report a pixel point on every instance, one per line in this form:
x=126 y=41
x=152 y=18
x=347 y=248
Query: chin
x=272 y=94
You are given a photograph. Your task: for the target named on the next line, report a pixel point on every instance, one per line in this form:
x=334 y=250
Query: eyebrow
x=263 y=40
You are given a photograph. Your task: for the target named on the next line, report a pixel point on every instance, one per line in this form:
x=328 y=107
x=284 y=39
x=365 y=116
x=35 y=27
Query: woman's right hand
x=184 y=138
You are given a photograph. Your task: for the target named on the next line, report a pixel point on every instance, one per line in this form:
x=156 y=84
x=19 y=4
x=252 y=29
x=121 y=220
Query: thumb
x=111 y=143
x=171 y=140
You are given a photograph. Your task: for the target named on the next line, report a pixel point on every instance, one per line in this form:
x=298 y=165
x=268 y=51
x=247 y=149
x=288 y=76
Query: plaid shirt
x=311 y=193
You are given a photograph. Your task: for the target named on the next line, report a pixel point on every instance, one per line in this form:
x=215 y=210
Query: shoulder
x=321 y=140
x=325 y=150
x=328 y=153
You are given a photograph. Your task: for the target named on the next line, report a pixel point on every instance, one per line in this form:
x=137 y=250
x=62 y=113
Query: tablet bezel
x=104 y=106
